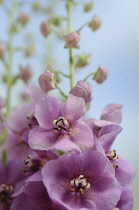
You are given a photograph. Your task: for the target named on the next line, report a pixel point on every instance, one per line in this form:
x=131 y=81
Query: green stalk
x=10 y=55
x=71 y=57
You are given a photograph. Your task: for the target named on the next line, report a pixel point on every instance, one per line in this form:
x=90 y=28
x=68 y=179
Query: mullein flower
x=95 y=23
x=82 y=181
x=25 y=73
x=2 y=51
x=10 y=176
x=113 y=113
x=24 y=18
x=101 y=75
x=46 y=81
x=45 y=28
x=60 y=126
x=72 y=40
x=83 y=90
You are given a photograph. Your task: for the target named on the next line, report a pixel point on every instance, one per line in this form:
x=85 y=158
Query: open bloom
x=82 y=181
x=60 y=126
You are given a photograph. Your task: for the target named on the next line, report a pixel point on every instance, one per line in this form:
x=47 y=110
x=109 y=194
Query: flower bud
x=45 y=28
x=101 y=75
x=46 y=81
x=24 y=18
x=2 y=50
x=82 y=60
x=83 y=90
x=25 y=73
x=95 y=23
x=36 y=6
x=88 y=6
x=72 y=40
x=30 y=50
x=56 y=20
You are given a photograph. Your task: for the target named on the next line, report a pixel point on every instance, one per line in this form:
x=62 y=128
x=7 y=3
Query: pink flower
x=72 y=40
x=101 y=75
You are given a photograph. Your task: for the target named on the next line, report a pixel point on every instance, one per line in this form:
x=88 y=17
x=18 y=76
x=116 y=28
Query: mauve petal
x=74 y=108
x=82 y=89
x=36 y=177
x=40 y=139
x=65 y=144
x=35 y=92
x=127 y=198
x=112 y=113
x=108 y=134
x=47 y=110
x=92 y=167
x=22 y=202
x=17 y=120
x=13 y=172
x=82 y=135
x=2 y=173
x=125 y=171
x=36 y=191
x=106 y=199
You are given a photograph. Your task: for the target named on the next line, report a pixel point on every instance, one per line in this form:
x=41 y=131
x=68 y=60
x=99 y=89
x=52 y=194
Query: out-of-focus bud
x=45 y=28
x=95 y=23
x=2 y=104
x=30 y=50
x=83 y=60
x=2 y=50
x=88 y=6
x=46 y=81
x=72 y=40
x=101 y=75
x=24 y=18
x=112 y=113
x=25 y=73
x=36 y=6
x=56 y=20
x=1 y=1
x=83 y=90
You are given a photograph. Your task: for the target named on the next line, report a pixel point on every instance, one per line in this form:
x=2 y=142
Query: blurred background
x=115 y=45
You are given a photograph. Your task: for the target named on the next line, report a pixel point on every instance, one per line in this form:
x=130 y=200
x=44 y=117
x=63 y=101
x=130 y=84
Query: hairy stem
x=9 y=77
x=71 y=57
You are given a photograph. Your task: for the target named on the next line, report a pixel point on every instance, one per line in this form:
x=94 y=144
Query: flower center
x=112 y=155
x=6 y=192
x=33 y=164
x=79 y=185
x=61 y=125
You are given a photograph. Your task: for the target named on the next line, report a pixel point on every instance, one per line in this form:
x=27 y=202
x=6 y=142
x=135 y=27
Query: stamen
x=79 y=184
x=115 y=166
x=112 y=155
x=61 y=124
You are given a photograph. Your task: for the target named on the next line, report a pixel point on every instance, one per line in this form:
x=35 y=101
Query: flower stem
x=71 y=57
x=89 y=75
x=10 y=55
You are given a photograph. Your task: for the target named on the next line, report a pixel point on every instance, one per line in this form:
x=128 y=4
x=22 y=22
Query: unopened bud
x=46 y=81
x=83 y=90
x=56 y=20
x=36 y=6
x=30 y=50
x=45 y=28
x=2 y=50
x=25 y=73
x=24 y=18
x=72 y=40
x=95 y=23
x=88 y=6
x=83 y=60
x=101 y=75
